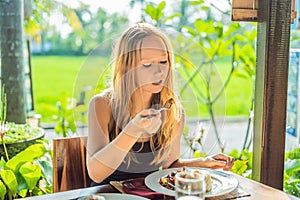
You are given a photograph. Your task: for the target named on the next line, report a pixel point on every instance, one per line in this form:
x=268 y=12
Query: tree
x=12 y=69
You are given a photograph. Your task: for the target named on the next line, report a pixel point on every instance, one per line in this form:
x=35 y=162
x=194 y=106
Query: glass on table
x=189 y=185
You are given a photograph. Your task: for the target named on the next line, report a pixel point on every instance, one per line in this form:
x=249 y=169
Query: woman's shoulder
x=104 y=95
x=102 y=99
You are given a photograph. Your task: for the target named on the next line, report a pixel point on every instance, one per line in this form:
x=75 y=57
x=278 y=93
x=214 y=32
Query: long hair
x=124 y=87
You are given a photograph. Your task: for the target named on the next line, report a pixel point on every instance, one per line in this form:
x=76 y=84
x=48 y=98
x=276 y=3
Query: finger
x=145 y=113
x=151 y=119
x=150 y=113
x=217 y=164
x=231 y=160
x=227 y=168
x=220 y=156
x=224 y=157
x=229 y=164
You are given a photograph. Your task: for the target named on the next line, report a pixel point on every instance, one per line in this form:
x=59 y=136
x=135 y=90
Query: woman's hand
x=147 y=121
x=220 y=161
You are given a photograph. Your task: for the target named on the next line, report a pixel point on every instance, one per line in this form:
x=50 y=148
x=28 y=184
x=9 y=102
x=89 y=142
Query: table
x=257 y=190
x=261 y=191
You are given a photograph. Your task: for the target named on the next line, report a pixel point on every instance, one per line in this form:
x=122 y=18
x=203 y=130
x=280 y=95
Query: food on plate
x=92 y=197
x=208 y=181
x=168 y=181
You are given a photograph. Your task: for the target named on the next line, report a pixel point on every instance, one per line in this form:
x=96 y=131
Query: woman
x=129 y=137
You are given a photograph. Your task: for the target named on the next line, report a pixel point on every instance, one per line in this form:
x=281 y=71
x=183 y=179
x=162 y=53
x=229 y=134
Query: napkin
x=137 y=187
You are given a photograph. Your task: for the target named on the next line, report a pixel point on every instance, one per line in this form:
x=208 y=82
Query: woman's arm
x=214 y=162
x=100 y=162
x=103 y=156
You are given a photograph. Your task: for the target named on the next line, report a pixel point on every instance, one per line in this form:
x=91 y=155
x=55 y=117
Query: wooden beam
x=242 y=14
x=244 y=10
x=273 y=44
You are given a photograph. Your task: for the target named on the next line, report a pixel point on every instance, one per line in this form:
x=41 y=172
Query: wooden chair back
x=69 y=167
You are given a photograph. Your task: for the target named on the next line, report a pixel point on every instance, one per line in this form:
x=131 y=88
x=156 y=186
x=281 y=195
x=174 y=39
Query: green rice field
x=55 y=75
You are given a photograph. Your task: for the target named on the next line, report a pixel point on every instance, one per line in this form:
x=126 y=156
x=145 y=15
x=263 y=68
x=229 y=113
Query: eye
x=163 y=62
x=147 y=64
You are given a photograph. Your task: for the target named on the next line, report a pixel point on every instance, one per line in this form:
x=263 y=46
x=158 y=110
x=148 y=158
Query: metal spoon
x=167 y=105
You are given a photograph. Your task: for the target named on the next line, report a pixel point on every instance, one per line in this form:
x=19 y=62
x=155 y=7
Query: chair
x=69 y=167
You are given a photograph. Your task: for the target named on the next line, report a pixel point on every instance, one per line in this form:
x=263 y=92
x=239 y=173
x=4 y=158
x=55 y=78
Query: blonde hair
x=124 y=85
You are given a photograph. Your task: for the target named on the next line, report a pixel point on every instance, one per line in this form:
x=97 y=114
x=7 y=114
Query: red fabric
x=137 y=187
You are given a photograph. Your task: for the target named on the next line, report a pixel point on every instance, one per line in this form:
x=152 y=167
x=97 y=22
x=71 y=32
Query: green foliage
x=3 y=190
x=20 y=132
x=23 y=174
x=89 y=29
x=157 y=14
x=294 y=154
x=10 y=180
x=29 y=154
x=213 y=41
x=292 y=172
x=245 y=54
x=65 y=117
x=243 y=162
x=199 y=154
x=31 y=173
x=295 y=38
x=239 y=167
x=291 y=184
x=3 y=102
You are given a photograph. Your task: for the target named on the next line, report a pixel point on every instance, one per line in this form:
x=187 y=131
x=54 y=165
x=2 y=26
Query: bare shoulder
x=101 y=100
x=100 y=105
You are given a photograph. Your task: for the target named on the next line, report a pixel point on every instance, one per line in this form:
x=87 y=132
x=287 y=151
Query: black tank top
x=139 y=164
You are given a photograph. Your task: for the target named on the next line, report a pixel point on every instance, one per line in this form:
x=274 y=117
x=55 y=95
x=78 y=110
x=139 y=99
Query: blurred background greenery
x=54 y=75
x=64 y=35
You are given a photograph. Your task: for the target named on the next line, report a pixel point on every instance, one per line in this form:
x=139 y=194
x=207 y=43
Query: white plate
x=116 y=196
x=222 y=182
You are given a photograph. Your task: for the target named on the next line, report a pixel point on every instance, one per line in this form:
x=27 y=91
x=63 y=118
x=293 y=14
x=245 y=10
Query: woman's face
x=153 y=65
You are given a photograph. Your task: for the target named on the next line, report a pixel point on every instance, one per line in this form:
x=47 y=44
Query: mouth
x=157 y=82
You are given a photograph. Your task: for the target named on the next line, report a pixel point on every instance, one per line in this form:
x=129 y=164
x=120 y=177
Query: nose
x=158 y=69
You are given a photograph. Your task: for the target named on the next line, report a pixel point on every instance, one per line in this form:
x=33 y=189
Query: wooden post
x=273 y=44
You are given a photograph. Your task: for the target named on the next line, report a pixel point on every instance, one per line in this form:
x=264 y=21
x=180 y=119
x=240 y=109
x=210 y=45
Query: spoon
x=167 y=105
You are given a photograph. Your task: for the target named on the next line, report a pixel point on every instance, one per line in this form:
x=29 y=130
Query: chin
x=157 y=90
x=153 y=89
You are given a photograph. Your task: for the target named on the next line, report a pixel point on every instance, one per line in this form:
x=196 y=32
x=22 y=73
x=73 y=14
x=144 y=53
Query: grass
x=236 y=100
x=55 y=75
x=238 y=93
